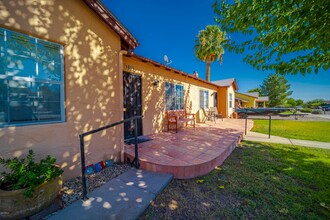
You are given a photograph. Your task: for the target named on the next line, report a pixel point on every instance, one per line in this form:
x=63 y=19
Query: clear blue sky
x=170 y=27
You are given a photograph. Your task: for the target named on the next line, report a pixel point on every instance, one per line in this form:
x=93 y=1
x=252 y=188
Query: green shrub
x=27 y=174
x=306 y=110
x=317 y=111
x=286 y=105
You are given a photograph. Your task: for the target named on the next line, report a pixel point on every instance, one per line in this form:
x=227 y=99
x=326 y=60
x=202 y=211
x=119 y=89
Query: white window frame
x=174 y=93
x=230 y=100
x=202 y=95
x=9 y=77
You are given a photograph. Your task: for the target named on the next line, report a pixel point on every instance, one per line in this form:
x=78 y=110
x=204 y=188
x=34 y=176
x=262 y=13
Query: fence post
x=246 y=116
x=270 y=123
x=83 y=175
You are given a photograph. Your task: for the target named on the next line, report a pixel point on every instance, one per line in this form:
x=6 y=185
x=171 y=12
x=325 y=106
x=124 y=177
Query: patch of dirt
x=186 y=199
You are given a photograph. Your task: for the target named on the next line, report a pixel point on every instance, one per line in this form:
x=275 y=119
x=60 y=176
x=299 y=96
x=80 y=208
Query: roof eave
x=112 y=22
x=143 y=59
x=263 y=99
x=235 y=85
x=243 y=100
x=232 y=83
x=247 y=95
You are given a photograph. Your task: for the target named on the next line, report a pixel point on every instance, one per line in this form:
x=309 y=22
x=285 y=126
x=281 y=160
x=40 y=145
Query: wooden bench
x=178 y=117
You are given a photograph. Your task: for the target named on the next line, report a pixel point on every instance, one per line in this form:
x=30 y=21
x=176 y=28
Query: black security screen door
x=132 y=103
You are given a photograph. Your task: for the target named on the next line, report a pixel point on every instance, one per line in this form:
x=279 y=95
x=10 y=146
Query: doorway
x=132 y=85
x=215 y=99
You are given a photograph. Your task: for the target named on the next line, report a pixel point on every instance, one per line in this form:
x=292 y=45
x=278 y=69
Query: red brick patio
x=192 y=151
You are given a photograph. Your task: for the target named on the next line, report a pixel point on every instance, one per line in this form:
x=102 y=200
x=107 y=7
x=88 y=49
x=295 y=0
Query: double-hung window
x=203 y=99
x=174 y=96
x=230 y=100
x=31 y=80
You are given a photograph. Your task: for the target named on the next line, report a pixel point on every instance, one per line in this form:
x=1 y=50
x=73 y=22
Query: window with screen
x=174 y=96
x=230 y=100
x=31 y=80
x=203 y=99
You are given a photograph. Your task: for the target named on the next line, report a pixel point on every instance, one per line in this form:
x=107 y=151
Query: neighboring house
x=67 y=68
x=250 y=100
x=226 y=104
x=262 y=101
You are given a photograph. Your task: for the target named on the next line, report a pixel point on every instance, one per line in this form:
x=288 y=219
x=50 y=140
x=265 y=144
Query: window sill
x=30 y=124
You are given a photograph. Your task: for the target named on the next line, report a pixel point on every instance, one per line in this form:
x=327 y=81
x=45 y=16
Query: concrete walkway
x=254 y=136
x=125 y=197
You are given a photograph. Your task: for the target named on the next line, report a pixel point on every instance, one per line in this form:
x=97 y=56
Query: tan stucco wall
x=192 y=88
x=231 y=110
x=153 y=100
x=250 y=104
x=91 y=83
x=223 y=101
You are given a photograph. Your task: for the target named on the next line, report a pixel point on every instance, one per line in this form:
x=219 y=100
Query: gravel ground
x=72 y=189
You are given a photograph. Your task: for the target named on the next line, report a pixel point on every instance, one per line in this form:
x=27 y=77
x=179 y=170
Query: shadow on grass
x=257 y=181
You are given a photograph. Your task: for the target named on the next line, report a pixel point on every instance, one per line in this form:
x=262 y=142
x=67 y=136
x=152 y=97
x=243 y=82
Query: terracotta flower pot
x=14 y=205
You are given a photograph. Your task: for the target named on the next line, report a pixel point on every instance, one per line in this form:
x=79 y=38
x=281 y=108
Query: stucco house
x=68 y=67
x=166 y=88
x=61 y=64
x=227 y=88
x=250 y=100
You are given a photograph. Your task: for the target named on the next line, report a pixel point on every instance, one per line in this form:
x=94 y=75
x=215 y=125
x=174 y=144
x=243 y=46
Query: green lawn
x=305 y=130
x=257 y=181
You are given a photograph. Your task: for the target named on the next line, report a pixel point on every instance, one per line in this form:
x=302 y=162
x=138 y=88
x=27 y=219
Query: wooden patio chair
x=177 y=117
x=208 y=115
x=216 y=114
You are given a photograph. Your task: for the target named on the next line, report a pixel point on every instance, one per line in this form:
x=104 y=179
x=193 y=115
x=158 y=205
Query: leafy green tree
x=291 y=102
x=208 y=46
x=315 y=103
x=288 y=36
x=299 y=102
x=258 y=89
x=276 y=87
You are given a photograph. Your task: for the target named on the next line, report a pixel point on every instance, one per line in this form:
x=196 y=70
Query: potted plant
x=28 y=186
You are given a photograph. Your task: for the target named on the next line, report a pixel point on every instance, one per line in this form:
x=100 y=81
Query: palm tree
x=208 y=46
